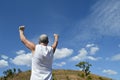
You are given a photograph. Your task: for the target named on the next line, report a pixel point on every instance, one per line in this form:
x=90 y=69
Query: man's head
x=43 y=39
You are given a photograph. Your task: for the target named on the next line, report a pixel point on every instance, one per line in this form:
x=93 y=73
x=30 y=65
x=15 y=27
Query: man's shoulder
x=49 y=46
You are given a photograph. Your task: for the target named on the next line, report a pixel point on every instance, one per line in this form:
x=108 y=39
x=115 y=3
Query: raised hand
x=21 y=28
x=56 y=36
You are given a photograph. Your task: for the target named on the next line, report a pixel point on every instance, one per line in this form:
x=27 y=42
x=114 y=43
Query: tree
x=19 y=70
x=5 y=73
x=9 y=73
x=14 y=70
x=85 y=67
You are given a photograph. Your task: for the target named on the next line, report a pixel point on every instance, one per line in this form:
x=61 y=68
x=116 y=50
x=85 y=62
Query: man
x=42 y=55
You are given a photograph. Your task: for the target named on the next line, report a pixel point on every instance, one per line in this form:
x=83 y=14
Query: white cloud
x=85 y=53
x=22 y=58
x=20 y=52
x=103 y=20
x=109 y=72
x=116 y=57
x=89 y=45
x=81 y=56
x=62 y=53
x=93 y=58
x=106 y=18
x=60 y=64
x=4 y=57
x=93 y=50
x=3 y=63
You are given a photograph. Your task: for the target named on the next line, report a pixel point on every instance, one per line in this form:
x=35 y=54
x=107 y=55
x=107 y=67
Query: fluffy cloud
x=3 y=63
x=93 y=50
x=20 y=52
x=109 y=72
x=4 y=57
x=89 y=45
x=60 y=64
x=22 y=58
x=62 y=53
x=86 y=54
x=82 y=55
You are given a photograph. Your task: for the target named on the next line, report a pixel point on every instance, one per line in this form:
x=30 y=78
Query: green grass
x=59 y=75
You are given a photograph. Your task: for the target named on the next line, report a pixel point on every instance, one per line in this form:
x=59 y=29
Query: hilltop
x=58 y=75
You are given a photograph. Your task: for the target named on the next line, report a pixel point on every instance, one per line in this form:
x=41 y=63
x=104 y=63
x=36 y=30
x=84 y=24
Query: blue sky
x=89 y=30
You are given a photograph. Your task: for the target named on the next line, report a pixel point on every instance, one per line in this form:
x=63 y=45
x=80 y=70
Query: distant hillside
x=75 y=75
x=59 y=75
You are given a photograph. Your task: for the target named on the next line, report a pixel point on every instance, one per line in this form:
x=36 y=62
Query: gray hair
x=43 y=39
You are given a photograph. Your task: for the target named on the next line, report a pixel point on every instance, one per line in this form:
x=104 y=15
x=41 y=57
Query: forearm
x=54 y=45
x=22 y=37
x=55 y=42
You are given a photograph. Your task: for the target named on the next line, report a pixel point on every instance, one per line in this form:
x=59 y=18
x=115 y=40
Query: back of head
x=43 y=39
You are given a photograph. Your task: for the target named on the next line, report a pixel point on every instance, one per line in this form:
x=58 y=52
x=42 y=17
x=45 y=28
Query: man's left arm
x=55 y=42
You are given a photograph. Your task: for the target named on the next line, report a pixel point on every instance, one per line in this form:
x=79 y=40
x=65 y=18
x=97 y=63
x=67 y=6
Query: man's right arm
x=26 y=42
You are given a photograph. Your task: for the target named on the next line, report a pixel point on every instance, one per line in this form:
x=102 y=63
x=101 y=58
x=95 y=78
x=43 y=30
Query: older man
x=42 y=55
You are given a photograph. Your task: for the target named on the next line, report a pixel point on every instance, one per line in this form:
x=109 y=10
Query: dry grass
x=75 y=75
x=60 y=75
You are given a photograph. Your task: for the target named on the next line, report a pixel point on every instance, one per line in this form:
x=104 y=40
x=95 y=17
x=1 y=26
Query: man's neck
x=43 y=44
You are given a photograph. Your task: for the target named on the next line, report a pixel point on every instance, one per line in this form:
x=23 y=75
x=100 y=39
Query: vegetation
x=17 y=74
x=75 y=75
x=10 y=73
x=85 y=66
x=57 y=75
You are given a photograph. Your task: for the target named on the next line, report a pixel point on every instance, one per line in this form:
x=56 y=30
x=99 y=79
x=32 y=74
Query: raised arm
x=26 y=42
x=55 y=42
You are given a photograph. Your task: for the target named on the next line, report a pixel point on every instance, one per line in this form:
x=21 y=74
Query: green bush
x=89 y=78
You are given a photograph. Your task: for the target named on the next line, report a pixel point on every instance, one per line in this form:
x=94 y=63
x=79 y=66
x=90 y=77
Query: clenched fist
x=21 y=28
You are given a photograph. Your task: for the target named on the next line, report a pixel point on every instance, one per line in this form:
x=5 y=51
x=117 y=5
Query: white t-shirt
x=42 y=63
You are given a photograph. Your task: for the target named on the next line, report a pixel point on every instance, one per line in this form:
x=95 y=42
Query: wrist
x=21 y=31
x=55 y=40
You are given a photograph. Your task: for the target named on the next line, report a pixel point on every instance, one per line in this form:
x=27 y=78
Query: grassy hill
x=59 y=75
